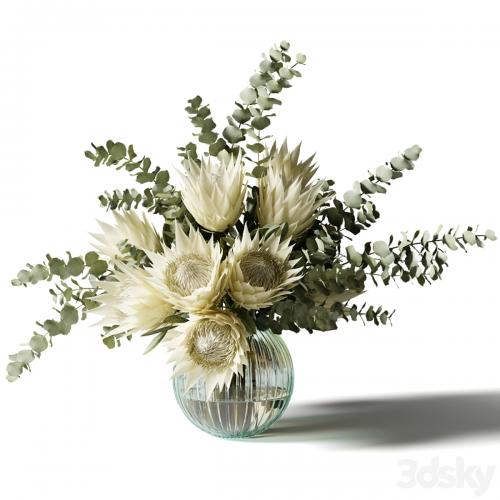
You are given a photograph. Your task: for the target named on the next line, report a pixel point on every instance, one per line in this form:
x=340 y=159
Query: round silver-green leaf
x=248 y=95
x=285 y=73
x=38 y=343
x=261 y=122
x=400 y=164
x=450 y=241
x=354 y=257
x=353 y=199
x=232 y=134
x=300 y=58
x=25 y=356
x=273 y=86
x=275 y=55
x=384 y=173
x=413 y=153
x=490 y=235
x=469 y=237
x=381 y=248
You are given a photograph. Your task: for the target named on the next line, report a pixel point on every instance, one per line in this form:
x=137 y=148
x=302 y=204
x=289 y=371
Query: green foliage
x=423 y=257
x=159 y=197
x=252 y=114
x=358 y=198
x=201 y=117
x=117 y=155
x=72 y=298
x=300 y=313
x=161 y=332
x=333 y=272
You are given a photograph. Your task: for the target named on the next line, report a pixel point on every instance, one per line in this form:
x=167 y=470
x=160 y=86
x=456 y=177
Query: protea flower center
x=211 y=344
x=261 y=268
x=187 y=273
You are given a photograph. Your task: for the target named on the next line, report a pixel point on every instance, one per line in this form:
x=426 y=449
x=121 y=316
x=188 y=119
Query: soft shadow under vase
x=252 y=402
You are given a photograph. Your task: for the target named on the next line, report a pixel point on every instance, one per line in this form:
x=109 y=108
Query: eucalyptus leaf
x=381 y=248
x=75 y=266
x=69 y=314
x=38 y=343
x=98 y=267
x=14 y=369
x=354 y=257
x=218 y=146
x=384 y=173
x=412 y=153
x=118 y=151
x=273 y=86
x=285 y=73
x=450 y=241
x=275 y=55
x=258 y=79
x=241 y=115
x=208 y=137
x=265 y=66
x=261 y=122
x=400 y=164
x=300 y=58
x=490 y=235
x=25 y=356
x=39 y=273
x=24 y=276
x=232 y=134
x=353 y=199
x=248 y=95
x=53 y=327
x=469 y=237
x=265 y=103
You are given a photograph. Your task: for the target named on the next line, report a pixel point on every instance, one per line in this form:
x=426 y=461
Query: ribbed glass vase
x=252 y=402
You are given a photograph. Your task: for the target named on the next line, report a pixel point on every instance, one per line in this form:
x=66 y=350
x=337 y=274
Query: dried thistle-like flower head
x=211 y=347
x=260 y=270
x=192 y=275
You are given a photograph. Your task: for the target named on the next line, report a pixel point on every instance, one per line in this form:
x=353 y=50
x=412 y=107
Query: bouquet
x=252 y=240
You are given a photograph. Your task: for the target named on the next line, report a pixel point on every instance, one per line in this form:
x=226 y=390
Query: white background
x=381 y=76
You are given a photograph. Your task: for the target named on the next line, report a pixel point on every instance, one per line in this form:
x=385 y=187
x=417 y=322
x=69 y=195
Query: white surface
x=92 y=423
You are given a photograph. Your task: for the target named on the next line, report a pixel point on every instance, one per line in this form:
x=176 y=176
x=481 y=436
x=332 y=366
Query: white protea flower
x=129 y=227
x=286 y=194
x=192 y=274
x=210 y=347
x=214 y=191
x=260 y=270
x=132 y=302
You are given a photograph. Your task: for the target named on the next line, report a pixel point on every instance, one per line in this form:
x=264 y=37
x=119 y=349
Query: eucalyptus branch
x=253 y=111
x=73 y=299
x=254 y=255
x=158 y=198
x=423 y=258
x=299 y=312
x=358 y=198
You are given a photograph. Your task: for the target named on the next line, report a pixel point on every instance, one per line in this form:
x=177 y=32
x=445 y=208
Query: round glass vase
x=253 y=401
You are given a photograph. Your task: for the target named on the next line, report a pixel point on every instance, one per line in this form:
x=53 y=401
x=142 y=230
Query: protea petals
x=132 y=302
x=129 y=227
x=214 y=192
x=211 y=347
x=260 y=270
x=286 y=192
x=191 y=275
